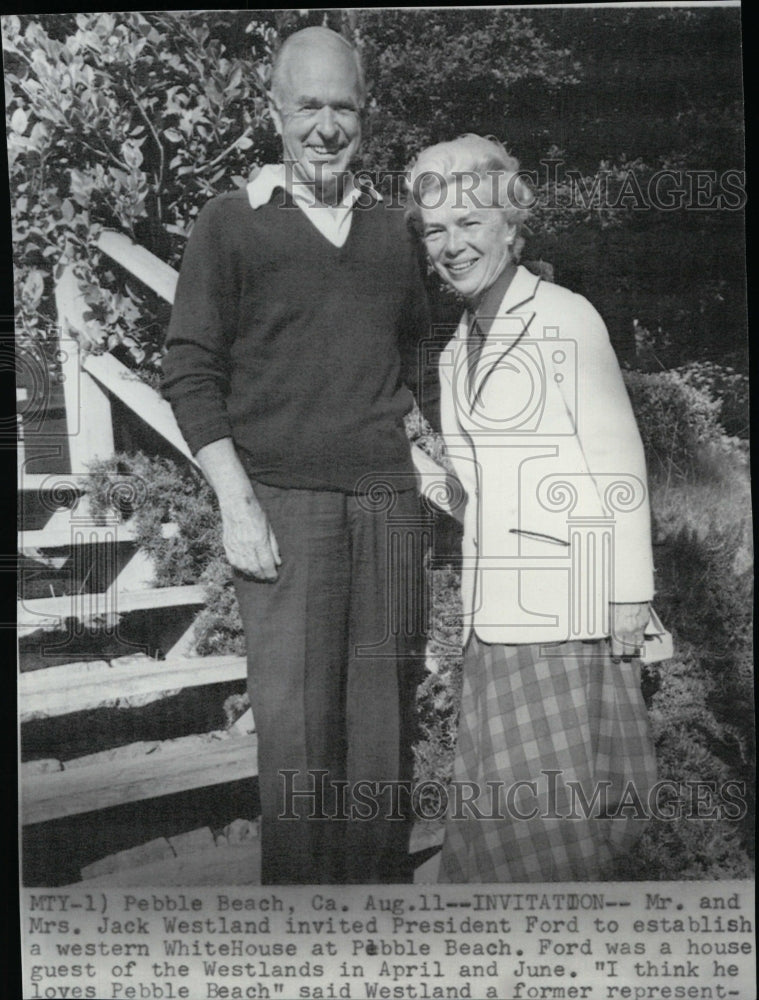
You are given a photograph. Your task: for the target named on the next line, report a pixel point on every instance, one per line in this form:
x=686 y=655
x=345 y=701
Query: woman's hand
x=627 y=624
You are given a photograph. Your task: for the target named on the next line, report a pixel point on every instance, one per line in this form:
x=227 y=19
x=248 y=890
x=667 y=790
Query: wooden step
x=169 y=767
x=233 y=864
x=51 y=612
x=193 y=858
x=65 y=484
x=75 y=687
x=67 y=528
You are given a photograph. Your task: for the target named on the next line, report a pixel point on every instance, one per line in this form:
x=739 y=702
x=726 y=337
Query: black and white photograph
x=385 y=561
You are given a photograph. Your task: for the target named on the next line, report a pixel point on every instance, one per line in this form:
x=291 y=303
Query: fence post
x=88 y=408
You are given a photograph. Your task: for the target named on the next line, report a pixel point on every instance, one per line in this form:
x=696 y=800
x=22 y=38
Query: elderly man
x=296 y=299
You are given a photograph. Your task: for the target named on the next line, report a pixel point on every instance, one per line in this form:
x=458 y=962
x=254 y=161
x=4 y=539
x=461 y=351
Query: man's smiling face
x=316 y=110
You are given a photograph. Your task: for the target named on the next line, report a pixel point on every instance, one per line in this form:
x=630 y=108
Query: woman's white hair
x=484 y=169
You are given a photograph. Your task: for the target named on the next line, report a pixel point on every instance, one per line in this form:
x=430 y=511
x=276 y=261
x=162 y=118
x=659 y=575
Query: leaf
x=11 y=26
x=244 y=142
x=39 y=135
x=33 y=288
x=81 y=187
x=19 y=121
x=173 y=135
x=119 y=175
x=235 y=78
x=132 y=154
x=67 y=210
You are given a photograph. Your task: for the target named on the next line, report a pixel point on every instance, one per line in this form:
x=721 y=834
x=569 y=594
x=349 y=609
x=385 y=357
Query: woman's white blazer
x=545 y=445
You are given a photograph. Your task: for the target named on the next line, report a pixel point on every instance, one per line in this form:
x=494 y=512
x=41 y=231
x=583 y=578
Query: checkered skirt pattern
x=549 y=727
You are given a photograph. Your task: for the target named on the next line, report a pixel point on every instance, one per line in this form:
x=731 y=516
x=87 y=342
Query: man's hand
x=627 y=624
x=249 y=540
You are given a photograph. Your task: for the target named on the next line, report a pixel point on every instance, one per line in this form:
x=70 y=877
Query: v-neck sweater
x=292 y=346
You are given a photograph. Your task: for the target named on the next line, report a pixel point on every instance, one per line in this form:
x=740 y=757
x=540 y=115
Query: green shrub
x=725 y=384
x=133 y=120
x=439 y=694
x=679 y=426
x=696 y=743
x=153 y=492
x=127 y=121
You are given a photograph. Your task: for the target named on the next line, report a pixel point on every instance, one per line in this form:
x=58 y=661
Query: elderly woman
x=554 y=759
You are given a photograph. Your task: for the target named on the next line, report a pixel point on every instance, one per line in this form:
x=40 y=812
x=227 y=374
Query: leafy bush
x=153 y=492
x=725 y=384
x=439 y=694
x=702 y=707
x=133 y=120
x=128 y=121
x=696 y=744
x=679 y=426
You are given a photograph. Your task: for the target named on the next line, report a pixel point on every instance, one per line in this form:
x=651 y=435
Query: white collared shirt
x=334 y=223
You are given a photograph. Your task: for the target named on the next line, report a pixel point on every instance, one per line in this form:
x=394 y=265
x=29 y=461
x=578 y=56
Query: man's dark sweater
x=292 y=346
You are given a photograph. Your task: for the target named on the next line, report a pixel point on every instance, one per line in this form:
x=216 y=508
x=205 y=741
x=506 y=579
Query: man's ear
x=276 y=117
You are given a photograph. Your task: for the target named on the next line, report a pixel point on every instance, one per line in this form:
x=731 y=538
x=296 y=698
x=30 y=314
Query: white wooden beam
x=138 y=396
x=137 y=572
x=149 y=269
x=63 y=530
x=49 y=612
x=175 y=766
x=88 y=409
x=74 y=687
x=58 y=483
x=185 y=644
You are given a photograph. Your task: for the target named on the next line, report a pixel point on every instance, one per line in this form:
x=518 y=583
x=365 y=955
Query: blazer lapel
x=512 y=322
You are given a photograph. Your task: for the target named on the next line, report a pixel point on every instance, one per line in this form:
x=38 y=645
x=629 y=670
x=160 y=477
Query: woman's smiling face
x=468 y=239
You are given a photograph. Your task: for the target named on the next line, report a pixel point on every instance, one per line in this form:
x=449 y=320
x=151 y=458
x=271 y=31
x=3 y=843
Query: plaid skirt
x=553 y=766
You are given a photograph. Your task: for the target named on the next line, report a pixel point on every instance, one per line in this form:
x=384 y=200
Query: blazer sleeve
x=609 y=438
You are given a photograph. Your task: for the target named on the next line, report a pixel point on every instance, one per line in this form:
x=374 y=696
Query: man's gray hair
x=314 y=36
x=482 y=166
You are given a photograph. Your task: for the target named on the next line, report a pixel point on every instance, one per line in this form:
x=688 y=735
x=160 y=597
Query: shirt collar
x=489 y=305
x=273 y=175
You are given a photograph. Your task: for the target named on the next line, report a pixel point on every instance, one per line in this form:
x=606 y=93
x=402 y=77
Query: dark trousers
x=334 y=657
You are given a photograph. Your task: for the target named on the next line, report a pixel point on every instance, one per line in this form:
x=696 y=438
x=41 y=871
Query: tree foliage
x=133 y=120
x=126 y=121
